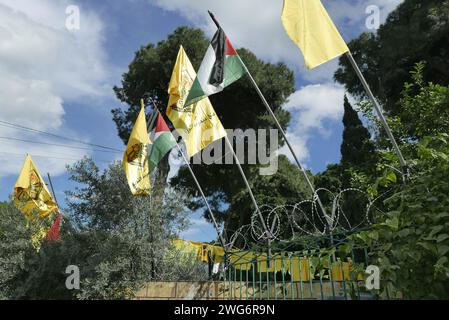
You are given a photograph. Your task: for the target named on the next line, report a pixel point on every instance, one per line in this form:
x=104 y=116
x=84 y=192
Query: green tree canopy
x=415 y=31
x=358 y=157
x=357 y=150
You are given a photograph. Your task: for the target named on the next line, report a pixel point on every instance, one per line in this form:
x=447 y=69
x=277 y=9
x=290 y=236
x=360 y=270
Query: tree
x=117 y=241
x=358 y=158
x=139 y=228
x=238 y=106
x=416 y=31
x=410 y=241
x=15 y=242
x=357 y=150
x=424 y=109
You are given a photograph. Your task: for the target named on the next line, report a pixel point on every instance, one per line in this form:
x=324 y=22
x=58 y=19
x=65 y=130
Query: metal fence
x=296 y=276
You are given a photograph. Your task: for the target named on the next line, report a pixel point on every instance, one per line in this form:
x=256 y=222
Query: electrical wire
x=18 y=126
x=57 y=145
x=46 y=157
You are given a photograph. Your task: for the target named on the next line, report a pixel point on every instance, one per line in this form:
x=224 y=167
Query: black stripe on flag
x=219 y=45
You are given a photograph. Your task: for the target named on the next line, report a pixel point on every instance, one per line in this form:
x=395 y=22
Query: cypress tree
x=357 y=154
x=357 y=150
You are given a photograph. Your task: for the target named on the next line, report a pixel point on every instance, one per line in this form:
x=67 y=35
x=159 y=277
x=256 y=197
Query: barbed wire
x=288 y=222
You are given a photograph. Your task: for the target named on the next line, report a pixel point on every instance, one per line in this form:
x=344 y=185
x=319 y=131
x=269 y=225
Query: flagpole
x=220 y=235
x=378 y=110
x=268 y=233
x=54 y=196
x=270 y=111
x=52 y=189
x=153 y=116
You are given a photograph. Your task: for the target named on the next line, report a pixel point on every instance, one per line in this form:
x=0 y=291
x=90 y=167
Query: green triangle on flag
x=163 y=142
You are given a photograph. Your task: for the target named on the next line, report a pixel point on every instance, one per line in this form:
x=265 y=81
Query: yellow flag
x=135 y=159
x=309 y=26
x=33 y=199
x=31 y=195
x=198 y=124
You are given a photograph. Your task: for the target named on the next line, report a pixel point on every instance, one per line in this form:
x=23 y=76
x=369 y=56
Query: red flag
x=53 y=233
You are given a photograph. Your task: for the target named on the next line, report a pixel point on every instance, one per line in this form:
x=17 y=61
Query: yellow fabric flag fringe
x=135 y=159
x=34 y=200
x=309 y=26
x=198 y=124
x=204 y=252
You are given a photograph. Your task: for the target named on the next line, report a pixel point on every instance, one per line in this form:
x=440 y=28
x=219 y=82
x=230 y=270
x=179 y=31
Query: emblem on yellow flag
x=34 y=200
x=135 y=159
x=197 y=123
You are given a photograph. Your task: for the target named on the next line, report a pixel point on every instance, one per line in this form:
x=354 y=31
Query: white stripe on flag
x=205 y=72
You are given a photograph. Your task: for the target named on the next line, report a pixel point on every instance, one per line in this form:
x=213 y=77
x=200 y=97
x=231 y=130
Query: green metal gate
x=296 y=276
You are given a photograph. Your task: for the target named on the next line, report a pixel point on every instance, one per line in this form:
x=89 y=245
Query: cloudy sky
x=60 y=80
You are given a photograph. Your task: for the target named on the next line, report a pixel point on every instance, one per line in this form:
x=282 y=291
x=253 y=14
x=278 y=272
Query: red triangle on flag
x=161 y=125
x=230 y=51
x=53 y=233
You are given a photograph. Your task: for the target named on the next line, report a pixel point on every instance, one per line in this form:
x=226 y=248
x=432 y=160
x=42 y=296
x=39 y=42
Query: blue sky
x=60 y=81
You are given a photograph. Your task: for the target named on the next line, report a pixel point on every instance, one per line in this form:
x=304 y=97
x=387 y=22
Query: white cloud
x=44 y=66
x=199 y=230
x=353 y=14
x=36 y=45
x=256 y=25
x=311 y=106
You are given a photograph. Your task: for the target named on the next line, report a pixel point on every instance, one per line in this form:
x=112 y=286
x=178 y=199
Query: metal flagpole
x=54 y=196
x=378 y=110
x=220 y=235
x=268 y=233
x=153 y=115
x=270 y=111
x=52 y=189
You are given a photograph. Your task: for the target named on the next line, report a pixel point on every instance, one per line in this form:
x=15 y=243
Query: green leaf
x=442 y=237
x=442 y=261
x=442 y=250
x=391 y=177
x=443 y=215
x=434 y=231
x=428 y=246
x=403 y=233
x=393 y=223
x=373 y=235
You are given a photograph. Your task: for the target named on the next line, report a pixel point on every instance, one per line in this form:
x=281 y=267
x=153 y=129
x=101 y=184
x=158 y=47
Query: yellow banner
x=32 y=198
x=198 y=124
x=309 y=26
x=135 y=159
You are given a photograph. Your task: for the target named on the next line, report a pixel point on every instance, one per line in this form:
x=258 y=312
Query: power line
x=57 y=145
x=47 y=157
x=18 y=126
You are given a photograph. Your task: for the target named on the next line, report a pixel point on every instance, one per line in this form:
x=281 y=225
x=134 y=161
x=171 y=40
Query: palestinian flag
x=220 y=68
x=163 y=142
